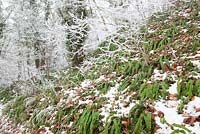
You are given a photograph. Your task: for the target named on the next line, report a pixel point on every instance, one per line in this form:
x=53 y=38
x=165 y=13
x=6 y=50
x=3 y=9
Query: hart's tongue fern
x=141 y=120
x=89 y=122
x=113 y=127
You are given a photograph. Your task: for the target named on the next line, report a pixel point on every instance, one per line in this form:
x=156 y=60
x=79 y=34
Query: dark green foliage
x=154 y=92
x=141 y=121
x=16 y=110
x=89 y=122
x=103 y=87
x=188 y=88
x=71 y=78
x=6 y=95
x=178 y=131
x=181 y=129
x=164 y=61
x=180 y=108
x=120 y=67
x=196 y=44
x=113 y=127
x=112 y=47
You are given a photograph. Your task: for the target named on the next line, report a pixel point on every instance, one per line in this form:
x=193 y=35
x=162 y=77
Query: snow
x=184 y=30
x=179 y=68
x=84 y=102
x=173 y=88
x=105 y=19
x=1 y=108
x=112 y=92
x=164 y=128
x=47 y=130
x=157 y=75
x=122 y=110
x=195 y=75
x=5 y=3
x=196 y=63
x=197 y=55
x=192 y=106
x=7 y=126
x=101 y=78
x=86 y=84
x=170 y=113
x=195 y=128
x=169 y=108
x=121 y=106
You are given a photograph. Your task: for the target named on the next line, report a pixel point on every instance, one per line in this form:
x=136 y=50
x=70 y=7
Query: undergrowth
x=134 y=76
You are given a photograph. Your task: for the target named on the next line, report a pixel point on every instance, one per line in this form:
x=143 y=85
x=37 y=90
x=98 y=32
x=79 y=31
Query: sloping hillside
x=155 y=89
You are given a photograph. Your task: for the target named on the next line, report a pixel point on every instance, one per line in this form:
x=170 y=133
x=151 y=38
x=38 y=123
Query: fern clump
x=141 y=120
x=89 y=123
x=188 y=88
x=16 y=110
x=113 y=127
x=154 y=92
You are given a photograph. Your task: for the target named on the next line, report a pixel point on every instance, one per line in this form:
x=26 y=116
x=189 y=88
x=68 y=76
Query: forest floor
x=7 y=126
x=154 y=92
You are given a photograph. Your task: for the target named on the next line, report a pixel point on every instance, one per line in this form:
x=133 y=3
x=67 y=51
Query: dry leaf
x=193 y=98
x=160 y=114
x=69 y=104
x=90 y=104
x=165 y=53
x=166 y=68
x=172 y=97
x=198 y=118
x=190 y=120
x=40 y=131
x=156 y=128
x=185 y=115
x=125 y=123
x=187 y=38
x=198 y=109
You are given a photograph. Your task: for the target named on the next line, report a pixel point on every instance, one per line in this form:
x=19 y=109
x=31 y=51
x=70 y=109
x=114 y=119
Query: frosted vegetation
x=38 y=37
x=100 y=67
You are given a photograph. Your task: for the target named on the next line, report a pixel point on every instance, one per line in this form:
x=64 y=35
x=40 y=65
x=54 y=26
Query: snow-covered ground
x=169 y=109
x=191 y=112
x=121 y=102
x=7 y=126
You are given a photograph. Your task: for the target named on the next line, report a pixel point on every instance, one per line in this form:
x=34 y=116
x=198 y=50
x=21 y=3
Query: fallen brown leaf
x=40 y=131
x=160 y=114
x=198 y=109
x=165 y=54
x=166 y=68
x=156 y=128
x=190 y=120
x=125 y=123
x=69 y=104
x=90 y=104
x=198 y=118
x=172 y=97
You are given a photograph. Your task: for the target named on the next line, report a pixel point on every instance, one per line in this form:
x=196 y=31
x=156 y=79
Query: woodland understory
x=137 y=80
